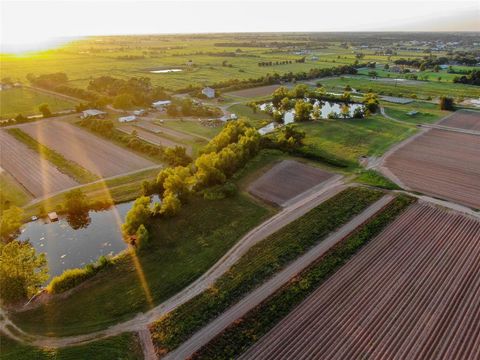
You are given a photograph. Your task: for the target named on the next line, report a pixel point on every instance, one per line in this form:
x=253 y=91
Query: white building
x=161 y=104
x=226 y=118
x=209 y=92
x=140 y=112
x=93 y=113
x=125 y=119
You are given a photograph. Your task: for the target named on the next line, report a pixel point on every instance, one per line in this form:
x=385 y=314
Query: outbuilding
x=125 y=119
x=93 y=113
x=52 y=216
x=161 y=104
x=208 y=92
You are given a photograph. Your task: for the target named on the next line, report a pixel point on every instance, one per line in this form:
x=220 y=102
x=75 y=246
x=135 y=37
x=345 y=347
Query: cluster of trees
x=433 y=62
x=282 y=62
x=187 y=107
x=220 y=159
x=124 y=94
x=59 y=82
x=447 y=103
x=22 y=270
x=173 y=156
x=270 y=79
x=472 y=79
x=370 y=101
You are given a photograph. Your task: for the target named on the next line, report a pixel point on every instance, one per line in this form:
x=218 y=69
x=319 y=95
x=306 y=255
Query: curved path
x=142 y=320
x=254 y=298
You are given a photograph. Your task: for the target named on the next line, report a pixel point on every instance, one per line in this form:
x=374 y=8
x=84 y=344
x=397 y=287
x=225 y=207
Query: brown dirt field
x=286 y=180
x=157 y=129
x=36 y=174
x=255 y=92
x=463 y=119
x=413 y=292
x=89 y=151
x=441 y=163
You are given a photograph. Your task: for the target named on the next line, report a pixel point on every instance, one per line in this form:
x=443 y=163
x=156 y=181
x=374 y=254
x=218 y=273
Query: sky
x=26 y=25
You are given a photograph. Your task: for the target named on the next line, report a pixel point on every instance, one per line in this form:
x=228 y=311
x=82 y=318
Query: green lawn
x=26 y=102
x=257 y=119
x=350 y=139
x=193 y=127
x=121 y=347
x=11 y=193
x=183 y=248
x=427 y=112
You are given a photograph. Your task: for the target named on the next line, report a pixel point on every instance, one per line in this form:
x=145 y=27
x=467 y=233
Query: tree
x=170 y=204
x=358 y=113
x=370 y=101
x=177 y=156
x=45 y=110
x=123 y=101
x=22 y=271
x=302 y=110
x=279 y=94
x=446 y=103
x=10 y=222
x=75 y=201
x=139 y=214
x=142 y=237
x=290 y=137
x=346 y=96
x=386 y=67
x=345 y=111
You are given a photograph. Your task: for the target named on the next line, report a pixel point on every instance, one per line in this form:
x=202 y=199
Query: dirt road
x=287 y=215
x=206 y=334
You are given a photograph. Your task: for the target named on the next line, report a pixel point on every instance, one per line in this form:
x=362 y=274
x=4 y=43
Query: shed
x=161 y=104
x=125 y=119
x=93 y=113
x=52 y=216
x=139 y=112
x=208 y=92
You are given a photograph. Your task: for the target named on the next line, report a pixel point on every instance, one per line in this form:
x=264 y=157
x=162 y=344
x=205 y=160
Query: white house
x=125 y=119
x=226 y=118
x=93 y=113
x=161 y=104
x=209 y=92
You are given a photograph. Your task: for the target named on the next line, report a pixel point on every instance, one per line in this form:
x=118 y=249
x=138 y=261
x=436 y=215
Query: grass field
x=257 y=119
x=427 y=112
x=11 y=193
x=350 y=139
x=422 y=89
x=26 y=102
x=182 y=249
x=193 y=127
x=121 y=347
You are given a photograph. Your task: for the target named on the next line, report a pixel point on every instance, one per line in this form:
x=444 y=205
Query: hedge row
x=259 y=263
x=244 y=332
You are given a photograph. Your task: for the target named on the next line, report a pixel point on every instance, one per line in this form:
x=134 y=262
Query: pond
x=326 y=107
x=164 y=71
x=75 y=242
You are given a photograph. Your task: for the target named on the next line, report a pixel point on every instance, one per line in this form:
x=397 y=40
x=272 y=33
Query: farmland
x=410 y=293
x=440 y=163
x=468 y=120
x=30 y=169
x=286 y=180
x=426 y=113
x=94 y=154
x=26 y=101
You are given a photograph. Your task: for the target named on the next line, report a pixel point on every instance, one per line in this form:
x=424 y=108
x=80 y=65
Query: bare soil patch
x=36 y=174
x=255 y=92
x=411 y=293
x=441 y=163
x=463 y=119
x=99 y=156
x=286 y=180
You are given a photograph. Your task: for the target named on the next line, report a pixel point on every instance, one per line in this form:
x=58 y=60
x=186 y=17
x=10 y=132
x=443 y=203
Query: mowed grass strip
x=258 y=264
x=125 y=346
x=244 y=332
x=181 y=249
x=65 y=166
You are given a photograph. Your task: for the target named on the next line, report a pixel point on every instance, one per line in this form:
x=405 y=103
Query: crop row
x=258 y=264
